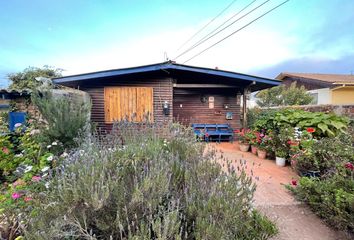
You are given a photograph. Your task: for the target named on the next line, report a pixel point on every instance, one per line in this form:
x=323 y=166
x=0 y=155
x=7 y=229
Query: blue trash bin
x=16 y=117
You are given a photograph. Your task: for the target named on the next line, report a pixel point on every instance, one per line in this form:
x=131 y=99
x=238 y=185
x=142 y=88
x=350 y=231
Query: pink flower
x=5 y=150
x=294 y=182
x=349 y=165
x=15 y=195
x=36 y=178
x=27 y=199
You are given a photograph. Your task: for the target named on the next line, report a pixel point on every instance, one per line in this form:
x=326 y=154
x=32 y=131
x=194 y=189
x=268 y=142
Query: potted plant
x=262 y=152
x=254 y=141
x=244 y=140
x=280 y=157
x=264 y=146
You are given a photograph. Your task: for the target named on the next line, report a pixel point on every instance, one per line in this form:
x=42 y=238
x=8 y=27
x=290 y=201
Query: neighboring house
x=325 y=88
x=164 y=92
x=18 y=99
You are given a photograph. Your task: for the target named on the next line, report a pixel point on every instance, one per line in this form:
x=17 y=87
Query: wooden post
x=244 y=108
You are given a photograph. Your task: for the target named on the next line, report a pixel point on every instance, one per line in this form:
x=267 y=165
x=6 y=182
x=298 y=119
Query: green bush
x=135 y=184
x=326 y=154
x=325 y=125
x=65 y=118
x=331 y=198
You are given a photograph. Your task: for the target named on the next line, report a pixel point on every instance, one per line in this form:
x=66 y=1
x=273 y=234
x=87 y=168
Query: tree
x=29 y=78
x=284 y=96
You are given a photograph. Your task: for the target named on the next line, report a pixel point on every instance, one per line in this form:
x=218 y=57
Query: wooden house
x=325 y=88
x=165 y=92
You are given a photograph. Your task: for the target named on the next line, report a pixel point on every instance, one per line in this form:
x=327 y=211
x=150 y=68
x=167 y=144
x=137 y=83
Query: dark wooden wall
x=162 y=91
x=309 y=84
x=193 y=110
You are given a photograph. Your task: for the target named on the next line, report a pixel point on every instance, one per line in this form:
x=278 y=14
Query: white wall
x=324 y=95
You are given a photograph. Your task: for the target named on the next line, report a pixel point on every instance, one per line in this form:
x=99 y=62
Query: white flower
x=54 y=143
x=19 y=155
x=50 y=158
x=45 y=169
x=81 y=152
x=17 y=125
x=46 y=184
x=28 y=168
x=49 y=146
x=34 y=131
x=64 y=155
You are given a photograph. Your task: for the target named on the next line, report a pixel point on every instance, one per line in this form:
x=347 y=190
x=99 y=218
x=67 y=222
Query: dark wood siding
x=162 y=91
x=309 y=84
x=193 y=110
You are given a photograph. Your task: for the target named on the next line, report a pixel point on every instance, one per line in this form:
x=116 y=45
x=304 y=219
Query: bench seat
x=208 y=132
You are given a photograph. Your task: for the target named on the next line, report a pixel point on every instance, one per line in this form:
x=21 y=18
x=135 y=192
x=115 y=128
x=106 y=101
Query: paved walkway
x=294 y=220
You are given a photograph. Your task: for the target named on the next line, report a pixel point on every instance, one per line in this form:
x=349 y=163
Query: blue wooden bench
x=209 y=132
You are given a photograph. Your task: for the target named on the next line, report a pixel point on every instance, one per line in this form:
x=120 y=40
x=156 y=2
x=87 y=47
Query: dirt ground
x=294 y=220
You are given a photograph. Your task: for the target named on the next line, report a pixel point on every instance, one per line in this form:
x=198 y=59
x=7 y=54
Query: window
x=131 y=103
x=315 y=98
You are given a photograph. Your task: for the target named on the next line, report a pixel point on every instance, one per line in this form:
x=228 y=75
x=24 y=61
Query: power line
x=236 y=14
x=196 y=45
x=206 y=25
x=238 y=30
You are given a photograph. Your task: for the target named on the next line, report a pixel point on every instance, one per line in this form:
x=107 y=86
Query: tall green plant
x=65 y=117
x=325 y=124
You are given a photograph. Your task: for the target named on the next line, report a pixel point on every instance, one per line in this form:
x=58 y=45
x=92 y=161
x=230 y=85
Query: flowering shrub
x=323 y=155
x=331 y=198
x=24 y=164
x=265 y=142
x=137 y=184
x=245 y=136
x=6 y=155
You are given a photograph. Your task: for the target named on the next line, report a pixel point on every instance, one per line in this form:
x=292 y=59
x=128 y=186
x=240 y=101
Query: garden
x=319 y=147
x=63 y=180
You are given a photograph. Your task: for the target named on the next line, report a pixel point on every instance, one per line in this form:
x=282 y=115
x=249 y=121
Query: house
x=165 y=92
x=18 y=99
x=325 y=88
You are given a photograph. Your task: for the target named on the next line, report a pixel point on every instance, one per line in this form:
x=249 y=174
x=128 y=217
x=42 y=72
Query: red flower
x=349 y=166
x=310 y=130
x=294 y=182
x=289 y=142
x=237 y=131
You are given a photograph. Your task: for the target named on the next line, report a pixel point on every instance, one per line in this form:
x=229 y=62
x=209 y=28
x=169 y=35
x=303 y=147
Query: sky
x=91 y=35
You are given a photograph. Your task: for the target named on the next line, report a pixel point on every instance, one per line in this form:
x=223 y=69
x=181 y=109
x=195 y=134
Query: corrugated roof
x=328 y=78
x=15 y=92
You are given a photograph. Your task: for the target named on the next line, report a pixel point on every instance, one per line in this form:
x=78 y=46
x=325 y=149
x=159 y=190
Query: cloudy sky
x=88 y=35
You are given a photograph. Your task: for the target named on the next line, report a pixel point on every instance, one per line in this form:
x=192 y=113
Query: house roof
x=173 y=70
x=326 y=78
x=14 y=92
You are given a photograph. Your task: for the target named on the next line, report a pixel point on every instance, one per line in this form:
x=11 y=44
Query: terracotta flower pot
x=254 y=149
x=262 y=153
x=244 y=147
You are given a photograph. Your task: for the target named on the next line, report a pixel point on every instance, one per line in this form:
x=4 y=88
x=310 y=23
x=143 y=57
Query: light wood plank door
x=128 y=103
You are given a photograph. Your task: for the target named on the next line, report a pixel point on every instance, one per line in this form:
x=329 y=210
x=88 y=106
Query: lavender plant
x=146 y=181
